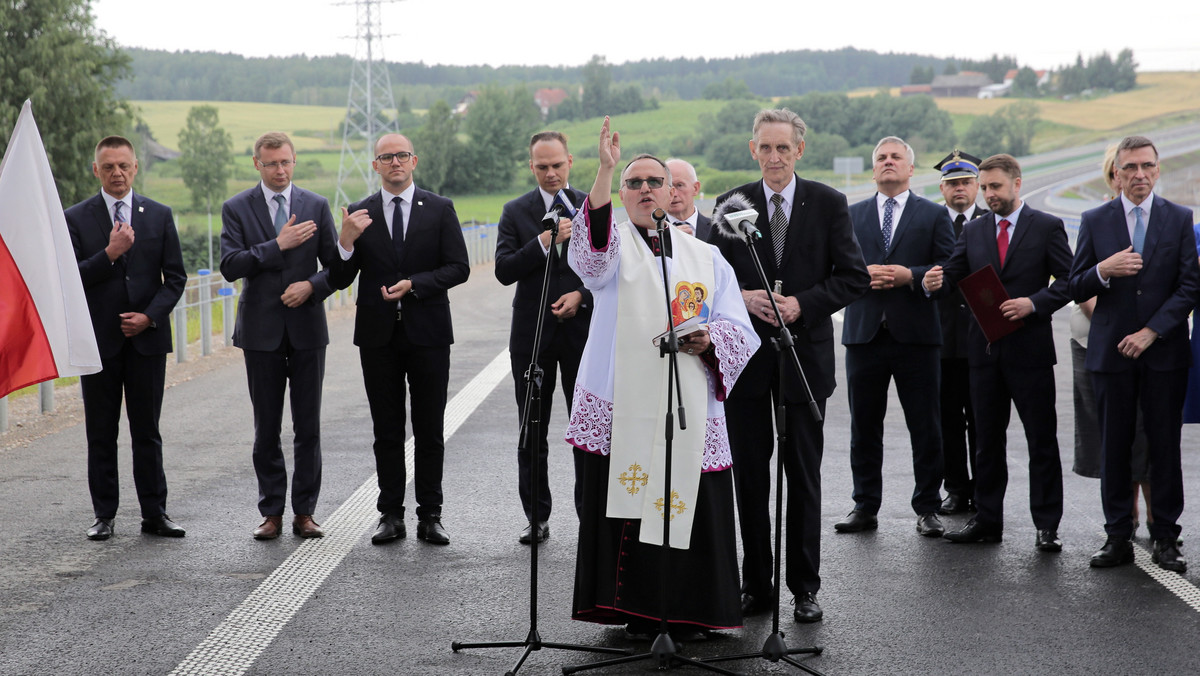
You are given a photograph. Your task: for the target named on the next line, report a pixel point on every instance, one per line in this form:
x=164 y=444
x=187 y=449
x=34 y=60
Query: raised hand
x=610 y=146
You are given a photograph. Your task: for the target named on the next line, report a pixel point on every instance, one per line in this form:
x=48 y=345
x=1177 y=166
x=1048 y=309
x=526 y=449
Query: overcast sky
x=1040 y=33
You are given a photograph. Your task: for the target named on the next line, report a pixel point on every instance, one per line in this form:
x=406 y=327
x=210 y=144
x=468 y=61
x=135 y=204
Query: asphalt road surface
x=219 y=602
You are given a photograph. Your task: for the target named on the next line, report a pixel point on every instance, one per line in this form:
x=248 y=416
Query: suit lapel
x=1153 y=230
x=795 y=222
x=1022 y=227
x=872 y=242
x=258 y=205
x=906 y=217
x=103 y=219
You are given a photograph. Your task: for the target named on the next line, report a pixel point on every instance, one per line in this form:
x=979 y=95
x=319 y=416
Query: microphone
x=659 y=216
x=735 y=217
x=552 y=216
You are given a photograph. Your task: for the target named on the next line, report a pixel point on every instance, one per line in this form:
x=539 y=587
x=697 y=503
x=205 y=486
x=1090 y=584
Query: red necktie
x=1002 y=240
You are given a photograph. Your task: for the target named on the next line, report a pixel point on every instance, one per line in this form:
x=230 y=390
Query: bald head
x=394 y=162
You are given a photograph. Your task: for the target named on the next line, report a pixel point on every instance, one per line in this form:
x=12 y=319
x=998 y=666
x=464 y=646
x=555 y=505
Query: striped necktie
x=779 y=226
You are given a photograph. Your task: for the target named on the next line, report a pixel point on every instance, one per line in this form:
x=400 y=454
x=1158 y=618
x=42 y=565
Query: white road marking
x=234 y=645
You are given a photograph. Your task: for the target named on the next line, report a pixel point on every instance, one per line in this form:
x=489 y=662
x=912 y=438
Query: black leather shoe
x=1047 y=540
x=430 y=530
x=807 y=609
x=955 y=504
x=856 y=522
x=755 y=605
x=101 y=530
x=543 y=533
x=162 y=525
x=975 y=531
x=391 y=527
x=930 y=525
x=1167 y=555
x=1115 y=552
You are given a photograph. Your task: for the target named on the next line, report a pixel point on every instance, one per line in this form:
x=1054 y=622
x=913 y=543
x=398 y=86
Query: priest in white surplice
x=618 y=416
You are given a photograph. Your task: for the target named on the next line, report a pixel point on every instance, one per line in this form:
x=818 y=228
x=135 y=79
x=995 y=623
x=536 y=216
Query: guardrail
x=208 y=302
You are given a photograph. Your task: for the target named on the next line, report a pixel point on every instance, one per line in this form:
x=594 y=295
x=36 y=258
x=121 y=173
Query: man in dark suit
x=132 y=271
x=1137 y=255
x=893 y=332
x=1029 y=251
x=809 y=252
x=959 y=187
x=273 y=236
x=683 y=211
x=410 y=249
x=522 y=249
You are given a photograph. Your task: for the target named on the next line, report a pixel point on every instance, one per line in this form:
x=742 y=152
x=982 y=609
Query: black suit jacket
x=519 y=260
x=435 y=259
x=1160 y=296
x=703 y=226
x=249 y=251
x=923 y=237
x=149 y=278
x=952 y=308
x=1036 y=266
x=822 y=267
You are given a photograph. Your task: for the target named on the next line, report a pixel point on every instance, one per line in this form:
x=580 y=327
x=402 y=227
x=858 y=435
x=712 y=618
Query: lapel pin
x=420 y=204
x=141 y=209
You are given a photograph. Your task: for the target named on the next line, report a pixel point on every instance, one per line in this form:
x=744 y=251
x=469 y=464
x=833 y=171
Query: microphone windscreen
x=732 y=204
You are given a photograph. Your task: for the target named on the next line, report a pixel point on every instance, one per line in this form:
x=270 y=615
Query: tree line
x=324 y=80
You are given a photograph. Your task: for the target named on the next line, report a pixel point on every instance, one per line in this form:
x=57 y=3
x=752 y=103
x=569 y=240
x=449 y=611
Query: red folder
x=984 y=293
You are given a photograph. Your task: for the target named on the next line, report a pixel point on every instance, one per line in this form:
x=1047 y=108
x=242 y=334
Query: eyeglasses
x=1144 y=166
x=654 y=182
x=387 y=158
x=286 y=164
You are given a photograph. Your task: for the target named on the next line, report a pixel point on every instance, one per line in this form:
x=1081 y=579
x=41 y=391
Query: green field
x=1160 y=98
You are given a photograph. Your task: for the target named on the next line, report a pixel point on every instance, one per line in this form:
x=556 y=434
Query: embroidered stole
x=640 y=381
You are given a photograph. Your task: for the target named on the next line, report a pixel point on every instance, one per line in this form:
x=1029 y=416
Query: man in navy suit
x=1029 y=251
x=818 y=271
x=409 y=247
x=522 y=249
x=1137 y=255
x=273 y=236
x=893 y=332
x=132 y=271
x=683 y=211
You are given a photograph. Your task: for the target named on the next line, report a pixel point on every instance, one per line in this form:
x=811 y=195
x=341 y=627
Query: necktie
x=281 y=214
x=887 y=222
x=958 y=224
x=1139 y=229
x=117 y=213
x=398 y=228
x=1002 y=240
x=779 y=226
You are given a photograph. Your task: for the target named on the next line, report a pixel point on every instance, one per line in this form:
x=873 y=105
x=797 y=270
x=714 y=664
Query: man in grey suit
x=274 y=234
x=683 y=211
x=132 y=272
x=893 y=332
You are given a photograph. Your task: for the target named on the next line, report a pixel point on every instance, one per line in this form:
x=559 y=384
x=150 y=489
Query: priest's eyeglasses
x=654 y=182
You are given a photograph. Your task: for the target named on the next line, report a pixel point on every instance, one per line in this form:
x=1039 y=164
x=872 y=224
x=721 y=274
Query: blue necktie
x=887 y=223
x=1139 y=229
x=117 y=213
x=281 y=214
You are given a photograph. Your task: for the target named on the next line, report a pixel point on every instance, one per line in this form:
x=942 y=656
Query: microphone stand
x=775 y=648
x=663 y=649
x=530 y=434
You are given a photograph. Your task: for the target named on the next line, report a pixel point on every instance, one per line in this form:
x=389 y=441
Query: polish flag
x=45 y=329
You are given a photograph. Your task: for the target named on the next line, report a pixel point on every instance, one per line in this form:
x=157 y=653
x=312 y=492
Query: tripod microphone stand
x=663 y=649
x=531 y=426
x=775 y=648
